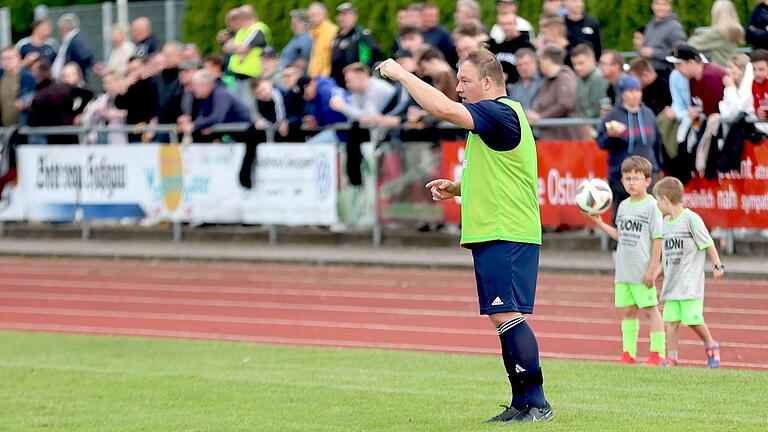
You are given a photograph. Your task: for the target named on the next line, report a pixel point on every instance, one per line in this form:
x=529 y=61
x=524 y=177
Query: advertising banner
x=735 y=199
x=293 y=183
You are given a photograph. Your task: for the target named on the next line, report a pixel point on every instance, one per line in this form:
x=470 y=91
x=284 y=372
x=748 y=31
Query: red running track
x=361 y=307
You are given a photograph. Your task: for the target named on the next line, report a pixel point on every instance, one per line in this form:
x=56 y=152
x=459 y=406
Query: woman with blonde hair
x=737 y=97
x=719 y=41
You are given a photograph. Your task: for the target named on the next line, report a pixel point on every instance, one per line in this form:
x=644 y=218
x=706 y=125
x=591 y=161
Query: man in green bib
x=499 y=211
x=246 y=49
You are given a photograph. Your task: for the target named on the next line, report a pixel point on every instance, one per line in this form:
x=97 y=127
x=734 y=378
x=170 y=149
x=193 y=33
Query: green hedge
x=618 y=18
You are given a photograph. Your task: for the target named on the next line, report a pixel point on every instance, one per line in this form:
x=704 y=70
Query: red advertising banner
x=735 y=199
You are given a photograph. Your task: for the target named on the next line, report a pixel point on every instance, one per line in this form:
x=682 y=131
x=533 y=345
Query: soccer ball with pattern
x=594 y=196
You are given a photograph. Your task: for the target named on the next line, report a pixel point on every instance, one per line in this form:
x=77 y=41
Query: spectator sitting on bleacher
x=17 y=87
x=592 y=87
x=719 y=41
x=323 y=33
x=73 y=47
x=582 y=27
x=512 y=42
x=435 y=34
x=527 y=87
x=215 y=105
x=504 y=7
x=557 y=96
x=39 y=44
x=656 y=93
x=297 y=51
x=662 y=34
x=757 y=32
x=143 y=38
x=353 y=44
x=138 y=94
x=60 y=103
x=629 y=129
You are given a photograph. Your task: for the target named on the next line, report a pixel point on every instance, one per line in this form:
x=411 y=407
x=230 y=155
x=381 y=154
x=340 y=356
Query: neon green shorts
x=688 y=312
x=635 y=295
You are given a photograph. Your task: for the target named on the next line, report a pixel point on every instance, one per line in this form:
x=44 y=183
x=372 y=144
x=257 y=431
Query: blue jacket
x=320 y=107
x=220 y=107
x=299 y=47
x=640 y=138
x=80 y=53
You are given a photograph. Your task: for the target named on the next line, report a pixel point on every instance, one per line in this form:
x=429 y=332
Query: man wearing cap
x=705 y=79
x=629 y=129
x=299 y=48
x=353 y=44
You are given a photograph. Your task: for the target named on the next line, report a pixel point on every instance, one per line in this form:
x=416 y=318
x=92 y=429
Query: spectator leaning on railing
x=629 y=129
x=138 y=95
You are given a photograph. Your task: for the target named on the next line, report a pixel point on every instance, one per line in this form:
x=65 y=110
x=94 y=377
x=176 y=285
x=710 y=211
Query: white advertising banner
x=294 y=184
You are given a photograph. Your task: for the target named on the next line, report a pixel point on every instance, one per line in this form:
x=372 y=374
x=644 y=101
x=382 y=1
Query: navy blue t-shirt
x=46 y=51
x=497 y=124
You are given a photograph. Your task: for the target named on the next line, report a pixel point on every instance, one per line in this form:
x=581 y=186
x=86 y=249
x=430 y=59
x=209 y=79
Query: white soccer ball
x=594 y=196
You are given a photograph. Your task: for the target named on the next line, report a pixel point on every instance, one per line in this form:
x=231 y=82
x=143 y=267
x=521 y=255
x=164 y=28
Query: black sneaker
x=508 y=414
x=533 y=414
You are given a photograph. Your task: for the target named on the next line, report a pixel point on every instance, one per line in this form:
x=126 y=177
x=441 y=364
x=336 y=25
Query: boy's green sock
x=630 y=328
x=658 y=344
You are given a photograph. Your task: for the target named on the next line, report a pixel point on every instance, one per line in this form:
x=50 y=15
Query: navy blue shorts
x=506 y=275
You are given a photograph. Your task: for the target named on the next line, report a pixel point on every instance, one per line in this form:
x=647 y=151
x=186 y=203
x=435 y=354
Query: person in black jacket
x=138 y=96
x=757 y=32
x=353 y=44
x=656 y=93
x=582 y=27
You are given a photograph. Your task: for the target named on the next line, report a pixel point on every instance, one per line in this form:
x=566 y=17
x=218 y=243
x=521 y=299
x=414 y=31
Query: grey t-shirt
x=638 y=223
x=685 y=241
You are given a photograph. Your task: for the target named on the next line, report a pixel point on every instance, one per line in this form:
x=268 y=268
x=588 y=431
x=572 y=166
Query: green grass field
x=78 y=383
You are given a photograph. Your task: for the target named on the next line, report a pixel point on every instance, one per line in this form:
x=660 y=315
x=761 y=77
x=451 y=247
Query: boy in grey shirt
x=685 y=240
x=638 y=254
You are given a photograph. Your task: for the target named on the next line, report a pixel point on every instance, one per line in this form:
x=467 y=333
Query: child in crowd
x=638 y=232
x=686 y=239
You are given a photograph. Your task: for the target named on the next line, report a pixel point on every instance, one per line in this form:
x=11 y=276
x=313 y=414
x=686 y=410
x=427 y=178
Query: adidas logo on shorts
x=497 y=302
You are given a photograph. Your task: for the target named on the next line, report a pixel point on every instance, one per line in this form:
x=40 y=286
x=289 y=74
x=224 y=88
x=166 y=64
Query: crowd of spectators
x=683 y=102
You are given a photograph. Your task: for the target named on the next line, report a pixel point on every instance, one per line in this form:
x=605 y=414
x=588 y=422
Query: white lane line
x=303 y=306
x=319 y=342
x=325 y=281
x=219 y=319
x=178 y=288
